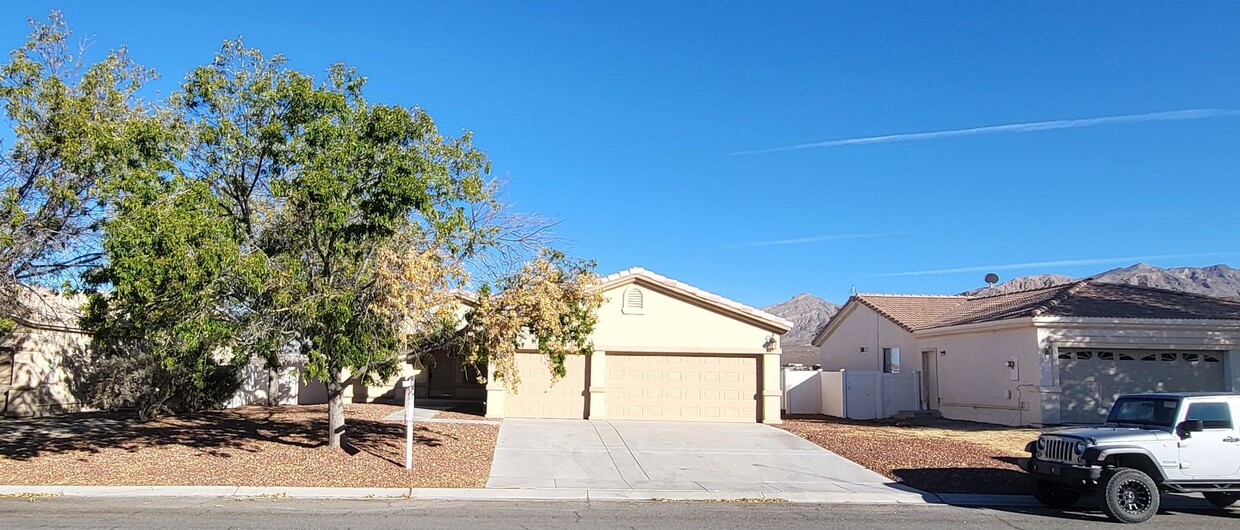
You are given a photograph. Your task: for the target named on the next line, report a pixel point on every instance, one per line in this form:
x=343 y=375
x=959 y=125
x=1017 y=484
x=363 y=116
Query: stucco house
x=39 y=358
x=664 y=350
x=1045 y=356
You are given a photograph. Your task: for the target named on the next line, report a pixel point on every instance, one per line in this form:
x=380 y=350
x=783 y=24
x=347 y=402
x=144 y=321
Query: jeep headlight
x=1079 y=449
x=1041 y=444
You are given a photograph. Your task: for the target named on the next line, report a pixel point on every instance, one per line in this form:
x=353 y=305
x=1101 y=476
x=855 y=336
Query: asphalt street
x=194 y=513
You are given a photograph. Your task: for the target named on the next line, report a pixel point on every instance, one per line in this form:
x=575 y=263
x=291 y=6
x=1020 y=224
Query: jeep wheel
x=1222 y=500
x=1128 y=495
x=1055 y=495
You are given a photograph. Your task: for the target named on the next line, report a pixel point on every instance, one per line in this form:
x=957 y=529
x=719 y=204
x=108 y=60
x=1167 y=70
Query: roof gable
x=909 y=311
x=701 y=297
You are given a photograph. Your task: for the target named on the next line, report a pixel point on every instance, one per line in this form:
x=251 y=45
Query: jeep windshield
x=1144 y=412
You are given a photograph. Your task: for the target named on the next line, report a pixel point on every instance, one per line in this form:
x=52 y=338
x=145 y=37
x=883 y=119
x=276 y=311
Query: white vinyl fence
x=856 y=394
x=254 y=385
x=802 y=393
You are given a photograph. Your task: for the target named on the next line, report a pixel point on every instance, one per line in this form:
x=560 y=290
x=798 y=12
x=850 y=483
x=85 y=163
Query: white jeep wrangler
x=1150 y=443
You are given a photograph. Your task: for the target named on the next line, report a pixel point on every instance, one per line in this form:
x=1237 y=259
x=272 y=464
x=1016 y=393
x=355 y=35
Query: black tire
x=1128 y=495
x=1222 y=499
x=1055 y=495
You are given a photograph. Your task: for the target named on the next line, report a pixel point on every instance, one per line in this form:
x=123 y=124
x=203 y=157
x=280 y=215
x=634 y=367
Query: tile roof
x=911 y=312
x=706 y=296
x=1111 y=300
x=1085 y=298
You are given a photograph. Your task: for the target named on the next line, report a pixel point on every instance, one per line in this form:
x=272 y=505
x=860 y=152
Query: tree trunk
x=273 y=387
x=335 y=412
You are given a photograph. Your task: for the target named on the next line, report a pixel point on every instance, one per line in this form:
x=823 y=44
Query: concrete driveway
x=670 y=456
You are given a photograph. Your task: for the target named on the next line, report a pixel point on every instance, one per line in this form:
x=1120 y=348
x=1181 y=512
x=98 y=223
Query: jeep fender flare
x=1100 y=455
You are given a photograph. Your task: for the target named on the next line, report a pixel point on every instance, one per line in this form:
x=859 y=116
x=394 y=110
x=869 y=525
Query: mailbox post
x=408 y=384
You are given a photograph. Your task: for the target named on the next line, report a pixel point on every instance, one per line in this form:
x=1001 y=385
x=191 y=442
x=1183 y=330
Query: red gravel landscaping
x=249 y=446
x=938 y=456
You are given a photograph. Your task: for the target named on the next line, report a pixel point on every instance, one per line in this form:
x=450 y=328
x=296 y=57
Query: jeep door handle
x=1230 y=439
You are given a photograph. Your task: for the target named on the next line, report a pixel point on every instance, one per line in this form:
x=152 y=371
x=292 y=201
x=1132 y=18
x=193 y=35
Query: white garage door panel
x=537 y=397
x=1091 y=379
x=679 y=387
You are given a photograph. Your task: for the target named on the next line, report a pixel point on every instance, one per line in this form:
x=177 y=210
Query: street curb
x=895 y=497
x=467 y=494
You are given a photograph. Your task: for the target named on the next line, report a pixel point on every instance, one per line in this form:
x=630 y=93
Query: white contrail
x=1059 y=263
x=1186 y=114
x=817 y=239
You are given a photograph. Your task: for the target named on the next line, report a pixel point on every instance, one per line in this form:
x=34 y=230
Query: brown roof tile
x=912 y=312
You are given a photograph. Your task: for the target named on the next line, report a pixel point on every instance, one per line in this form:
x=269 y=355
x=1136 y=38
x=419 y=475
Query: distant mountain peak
x=808 y=314
x=1219 y=281
x=1021 y=283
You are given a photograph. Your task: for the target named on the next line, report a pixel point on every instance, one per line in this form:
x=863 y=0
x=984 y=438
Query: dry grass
x=940 y=456
x=250 y=446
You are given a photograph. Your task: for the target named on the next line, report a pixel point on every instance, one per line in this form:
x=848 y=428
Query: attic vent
x=634 y=302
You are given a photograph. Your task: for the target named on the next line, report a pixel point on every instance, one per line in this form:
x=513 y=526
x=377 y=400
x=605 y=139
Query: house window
x=634 y=302
x=891 y=360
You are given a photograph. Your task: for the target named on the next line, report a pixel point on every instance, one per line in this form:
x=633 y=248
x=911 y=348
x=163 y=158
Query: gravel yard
x=939 y=456
x=249 y=446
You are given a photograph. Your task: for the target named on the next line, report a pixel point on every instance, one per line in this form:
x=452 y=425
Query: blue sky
x=635 y=123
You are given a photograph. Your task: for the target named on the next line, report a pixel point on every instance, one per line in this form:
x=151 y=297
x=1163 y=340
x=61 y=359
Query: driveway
x=670 y=456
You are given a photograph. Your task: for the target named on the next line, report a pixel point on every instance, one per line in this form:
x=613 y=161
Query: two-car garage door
x=642 y=387
x=682 y=387
x=1091 y=379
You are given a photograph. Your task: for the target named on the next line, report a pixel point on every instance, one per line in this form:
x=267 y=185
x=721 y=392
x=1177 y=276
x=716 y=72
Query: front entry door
x=929 y=380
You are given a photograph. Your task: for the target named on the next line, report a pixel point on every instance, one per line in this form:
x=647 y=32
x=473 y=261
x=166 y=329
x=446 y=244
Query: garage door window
x=1088 y=355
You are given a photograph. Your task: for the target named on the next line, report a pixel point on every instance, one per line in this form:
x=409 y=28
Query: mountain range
x=810 y=313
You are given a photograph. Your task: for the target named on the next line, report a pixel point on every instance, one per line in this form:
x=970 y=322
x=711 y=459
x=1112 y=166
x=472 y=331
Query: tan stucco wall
x=670 y=323
x=42 y=372
x=865 y=328
x=975 y=382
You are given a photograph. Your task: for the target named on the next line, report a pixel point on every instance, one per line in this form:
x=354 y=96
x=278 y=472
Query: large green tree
x=294 y=214
x=75 y=125
x=367 y=176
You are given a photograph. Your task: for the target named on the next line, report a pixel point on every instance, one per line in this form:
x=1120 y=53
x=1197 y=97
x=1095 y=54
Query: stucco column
x=597 y=400
x=495 y=394
x=771 y=393
x=1231 y=366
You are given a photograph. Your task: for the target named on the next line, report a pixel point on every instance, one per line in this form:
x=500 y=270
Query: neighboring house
x=1045 y=356
x=39 y=358
x=664 y=350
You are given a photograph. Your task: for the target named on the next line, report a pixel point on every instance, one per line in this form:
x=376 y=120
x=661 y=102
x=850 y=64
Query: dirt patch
x=249 y=446
x=459 y=415
x=939 y=456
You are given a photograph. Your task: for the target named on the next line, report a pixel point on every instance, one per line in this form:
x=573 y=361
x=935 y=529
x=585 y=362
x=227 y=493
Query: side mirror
x=1188 y=427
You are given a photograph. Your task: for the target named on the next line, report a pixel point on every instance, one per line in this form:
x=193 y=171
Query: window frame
x=1212 y=425
x=891 y=359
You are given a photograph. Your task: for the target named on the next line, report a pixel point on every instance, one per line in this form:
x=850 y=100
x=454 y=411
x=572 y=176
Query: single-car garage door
x=1091 y=379
x=682 y=387
x=537 y=397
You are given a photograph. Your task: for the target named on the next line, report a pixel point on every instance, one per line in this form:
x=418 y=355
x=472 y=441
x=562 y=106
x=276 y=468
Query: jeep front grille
x=1059 y=450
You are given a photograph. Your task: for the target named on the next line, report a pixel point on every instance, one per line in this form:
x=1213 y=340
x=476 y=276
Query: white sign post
x=408 y=384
